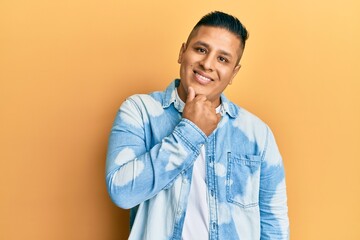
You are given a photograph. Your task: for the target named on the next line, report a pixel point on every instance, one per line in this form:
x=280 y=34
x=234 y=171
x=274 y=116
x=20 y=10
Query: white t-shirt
x=196 y=223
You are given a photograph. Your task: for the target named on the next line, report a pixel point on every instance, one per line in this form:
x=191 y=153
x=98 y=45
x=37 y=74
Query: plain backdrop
x=66 y=67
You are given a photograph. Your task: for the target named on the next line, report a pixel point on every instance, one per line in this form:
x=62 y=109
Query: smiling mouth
x=202 y=79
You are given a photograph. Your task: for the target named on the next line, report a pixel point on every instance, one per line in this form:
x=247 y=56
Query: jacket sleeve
x=135 y=172
x=273 y=199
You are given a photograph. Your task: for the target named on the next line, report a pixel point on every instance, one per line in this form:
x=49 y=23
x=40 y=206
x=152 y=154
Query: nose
x=207 y=62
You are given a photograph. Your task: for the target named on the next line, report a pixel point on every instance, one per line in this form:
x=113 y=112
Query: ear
x=235 y=71
x=182 y=50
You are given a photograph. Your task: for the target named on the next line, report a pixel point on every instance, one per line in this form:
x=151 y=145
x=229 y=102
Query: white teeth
x=203 y=78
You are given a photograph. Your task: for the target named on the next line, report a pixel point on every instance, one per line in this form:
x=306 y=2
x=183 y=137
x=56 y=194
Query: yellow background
x=66 y=66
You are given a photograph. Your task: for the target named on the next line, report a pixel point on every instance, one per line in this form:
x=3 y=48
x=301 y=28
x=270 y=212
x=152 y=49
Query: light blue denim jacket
x=149 y=167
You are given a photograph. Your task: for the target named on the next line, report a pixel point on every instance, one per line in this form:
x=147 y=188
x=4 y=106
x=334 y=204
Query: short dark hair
x=226 y=21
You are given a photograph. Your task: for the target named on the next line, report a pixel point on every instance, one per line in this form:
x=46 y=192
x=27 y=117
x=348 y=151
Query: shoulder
x=149 y=103
x=146 y=98
x=158 y=99
x=249 y=126
x=244 y=118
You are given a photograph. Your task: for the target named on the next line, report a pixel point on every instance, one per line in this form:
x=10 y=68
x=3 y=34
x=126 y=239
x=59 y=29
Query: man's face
x=209 y=62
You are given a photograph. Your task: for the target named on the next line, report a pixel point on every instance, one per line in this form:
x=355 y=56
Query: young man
x=191 y=164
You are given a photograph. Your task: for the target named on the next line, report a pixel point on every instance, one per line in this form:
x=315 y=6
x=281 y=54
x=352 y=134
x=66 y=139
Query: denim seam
x=228 y=188
x=194 y=126
x=186 y=141
x=266 y=144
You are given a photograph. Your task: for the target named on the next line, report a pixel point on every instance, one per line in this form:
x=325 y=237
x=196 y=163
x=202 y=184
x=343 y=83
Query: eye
x=222 y=59
x=200 y=50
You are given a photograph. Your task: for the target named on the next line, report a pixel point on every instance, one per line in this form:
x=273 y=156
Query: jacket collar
x=170 y=97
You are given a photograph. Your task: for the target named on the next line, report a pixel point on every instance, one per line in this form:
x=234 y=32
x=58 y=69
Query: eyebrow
x=223 y=52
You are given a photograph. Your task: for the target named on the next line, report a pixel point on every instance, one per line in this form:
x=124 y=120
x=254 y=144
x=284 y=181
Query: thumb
x=190 y=95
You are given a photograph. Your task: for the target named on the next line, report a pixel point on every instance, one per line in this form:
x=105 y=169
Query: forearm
x=273 y=209
x=273 y=198
x=135 y=173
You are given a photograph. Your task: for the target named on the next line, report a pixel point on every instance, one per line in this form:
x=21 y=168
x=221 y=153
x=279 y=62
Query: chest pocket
x=243 y=180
